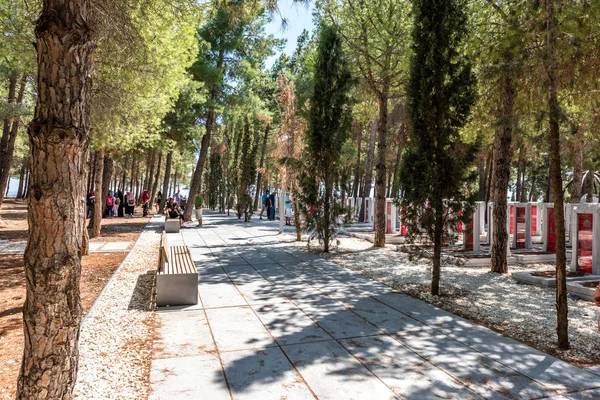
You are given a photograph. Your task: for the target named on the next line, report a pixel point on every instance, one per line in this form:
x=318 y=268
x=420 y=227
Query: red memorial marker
x=585 y=223
x=534 y=209
x=551 y=246
x=512 y=219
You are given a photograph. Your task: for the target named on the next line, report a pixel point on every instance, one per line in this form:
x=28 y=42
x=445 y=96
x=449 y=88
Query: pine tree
x=246 y=171
x=329 y=126
x=441 y=91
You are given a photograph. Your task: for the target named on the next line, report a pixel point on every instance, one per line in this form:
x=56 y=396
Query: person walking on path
x=116 y=205
x=288 y=210
x=198 y=203
x=145 y=202
x=91 y=199
x=129 y=207
x=177 y=197
x=265 y=201
x=272 y=209
x=110 y=202
x=121 y=198
x=158 y=200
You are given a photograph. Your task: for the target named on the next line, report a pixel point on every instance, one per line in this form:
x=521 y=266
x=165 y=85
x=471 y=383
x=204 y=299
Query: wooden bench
x=177 y=277
x=172 y=225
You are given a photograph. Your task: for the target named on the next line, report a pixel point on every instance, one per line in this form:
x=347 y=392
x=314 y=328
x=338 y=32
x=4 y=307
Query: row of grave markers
x=524 y=222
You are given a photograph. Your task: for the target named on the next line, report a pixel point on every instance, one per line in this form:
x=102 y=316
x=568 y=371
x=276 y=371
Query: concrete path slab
x=407 y=374
x=334 y=374
x=197 y=377
x=263 y=374
x=182 y=337
x=278 y=322
x=238 y=328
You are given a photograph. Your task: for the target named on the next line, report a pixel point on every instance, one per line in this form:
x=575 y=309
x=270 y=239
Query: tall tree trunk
x=438 y=233
x=327 y=223
x=519 y=186
x=59 y=144
x=559 y=217
x=21 y=182
x=396 y=180
x=359 y=133
x=502 y=169
x=150 y=172
x=7 y=149
x=175 y=175
x=262 y=162
x=12 y=87
x=366 y=190
x=523 y=197
x=123 y=183
x=107 y=171
x=156 y=178
x=578 y=145
x=146 y=183
x=481 y=166
x=27 y=177
x=196 y=183
x=92 y=172
x=166 y=181
x=133 y=174
x=98 y=204
x=381 y=172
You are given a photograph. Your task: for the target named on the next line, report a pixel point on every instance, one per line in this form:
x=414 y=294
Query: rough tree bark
x=96 y=221
x=559 y=217
x=381 y=170
x=59 y=145
x=502 y=169
x=166 y=182
x=366 y=190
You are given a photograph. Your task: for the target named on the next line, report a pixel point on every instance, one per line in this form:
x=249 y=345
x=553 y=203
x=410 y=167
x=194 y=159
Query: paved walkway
x=276 y=322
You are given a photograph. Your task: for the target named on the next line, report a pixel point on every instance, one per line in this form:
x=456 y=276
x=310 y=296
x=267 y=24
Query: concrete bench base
x=177 y=290
x=172 y=225
x=177 y=277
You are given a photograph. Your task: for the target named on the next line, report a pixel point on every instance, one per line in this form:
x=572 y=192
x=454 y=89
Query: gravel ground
x=524 y=312
x=116 y=338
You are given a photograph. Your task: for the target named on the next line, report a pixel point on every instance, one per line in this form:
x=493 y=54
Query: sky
x=299 y=17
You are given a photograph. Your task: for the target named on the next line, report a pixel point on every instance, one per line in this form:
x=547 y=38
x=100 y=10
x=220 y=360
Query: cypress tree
x=328 y=128
x=441 y=91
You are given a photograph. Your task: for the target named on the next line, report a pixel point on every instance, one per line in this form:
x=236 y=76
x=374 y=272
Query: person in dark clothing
x=272 y=201
x=121 y=204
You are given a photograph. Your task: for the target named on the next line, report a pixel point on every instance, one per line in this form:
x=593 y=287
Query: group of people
x=269 y=204
x=175 y=205
x=120 y=205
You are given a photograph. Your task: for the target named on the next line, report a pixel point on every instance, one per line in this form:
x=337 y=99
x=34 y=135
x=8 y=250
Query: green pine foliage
x=441 y=91
x=213 y=182
x=329 y=125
